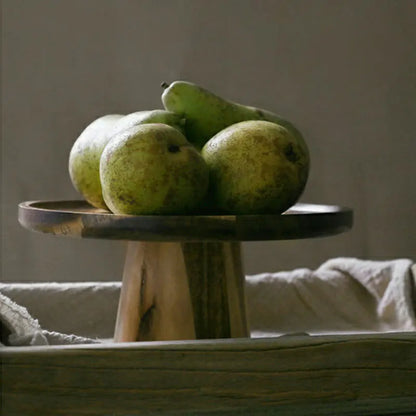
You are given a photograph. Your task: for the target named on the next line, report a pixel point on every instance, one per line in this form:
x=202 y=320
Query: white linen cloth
x=22 y=329
x=342 y=295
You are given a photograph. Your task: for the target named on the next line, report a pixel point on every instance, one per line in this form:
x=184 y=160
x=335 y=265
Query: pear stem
x=164 y=85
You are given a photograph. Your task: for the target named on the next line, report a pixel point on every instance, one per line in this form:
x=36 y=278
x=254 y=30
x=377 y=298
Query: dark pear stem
x=164 y=85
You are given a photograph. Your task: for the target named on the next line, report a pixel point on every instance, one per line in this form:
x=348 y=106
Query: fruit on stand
x=256 y=167
x=206 y=113
x=161 y=161
x=84 y=158
x=152 y=169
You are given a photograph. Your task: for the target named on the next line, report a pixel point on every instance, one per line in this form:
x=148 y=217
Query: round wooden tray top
x=79 y=219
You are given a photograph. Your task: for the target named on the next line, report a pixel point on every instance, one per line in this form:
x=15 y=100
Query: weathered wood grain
x=207 y=285
x=235 y=290
x=154 y=300
x=216 y=285
x=79 y=219
x=325 y=375
x=174 y=291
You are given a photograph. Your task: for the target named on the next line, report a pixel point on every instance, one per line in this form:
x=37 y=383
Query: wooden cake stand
x=183 y=276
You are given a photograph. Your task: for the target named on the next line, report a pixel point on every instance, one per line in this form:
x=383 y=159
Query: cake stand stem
x=174 y=291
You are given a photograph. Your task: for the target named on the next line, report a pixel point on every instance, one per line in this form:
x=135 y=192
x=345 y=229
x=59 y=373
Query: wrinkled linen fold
x=343 y=295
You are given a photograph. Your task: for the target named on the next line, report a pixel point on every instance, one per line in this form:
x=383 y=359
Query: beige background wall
x=343 y=71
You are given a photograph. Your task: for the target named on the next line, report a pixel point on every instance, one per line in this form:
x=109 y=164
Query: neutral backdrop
x=342 y=71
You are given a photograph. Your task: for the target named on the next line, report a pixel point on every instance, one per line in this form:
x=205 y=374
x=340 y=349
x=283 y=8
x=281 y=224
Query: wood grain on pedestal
x=216 y=284
x=154 y=300
x=174 y=291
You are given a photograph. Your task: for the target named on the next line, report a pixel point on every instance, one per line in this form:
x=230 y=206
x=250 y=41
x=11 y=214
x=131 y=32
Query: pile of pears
x=201 y=154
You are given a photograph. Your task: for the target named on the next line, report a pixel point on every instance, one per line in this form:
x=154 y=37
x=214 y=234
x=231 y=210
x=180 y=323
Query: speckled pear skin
x=256 y=167
x=146 y=117
x=151 y=169
x=84 y=158
x=206 y=113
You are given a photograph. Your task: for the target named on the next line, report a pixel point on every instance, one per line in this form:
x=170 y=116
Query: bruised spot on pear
x=173 y=148
x=290 y=153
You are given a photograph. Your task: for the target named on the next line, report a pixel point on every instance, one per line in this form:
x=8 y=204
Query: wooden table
x=343 y=375
x=183 y=276
x=333 y=375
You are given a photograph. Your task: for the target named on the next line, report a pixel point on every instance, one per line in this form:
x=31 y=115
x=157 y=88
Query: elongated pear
x=207 y=113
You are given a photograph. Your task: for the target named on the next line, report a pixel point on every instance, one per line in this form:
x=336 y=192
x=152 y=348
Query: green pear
x=152 y=169
x=256 y=167
x=84 y=158
x=206 y=113
x=146 y=117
